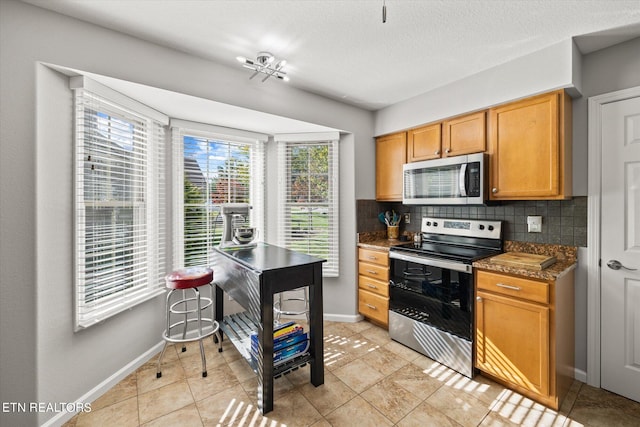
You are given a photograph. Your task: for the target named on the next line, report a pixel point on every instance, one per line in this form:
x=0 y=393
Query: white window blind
x=308 y=217
x=213 y=168
x=120 y=212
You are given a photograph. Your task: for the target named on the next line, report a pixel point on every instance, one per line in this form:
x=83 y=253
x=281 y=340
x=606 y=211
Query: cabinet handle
x=372 y=272
x=372 y=307
x=479 y=299
x=372 y=286
x=437 y=153
x=447 y=151
x=514 y=288
x=372 y=257
x=494 y=190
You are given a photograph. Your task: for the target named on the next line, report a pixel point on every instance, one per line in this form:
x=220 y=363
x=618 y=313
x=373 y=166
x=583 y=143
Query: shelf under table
x=239 y=327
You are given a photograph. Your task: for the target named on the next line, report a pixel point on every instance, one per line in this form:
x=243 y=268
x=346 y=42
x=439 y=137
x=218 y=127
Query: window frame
x=146 y=252
x=257 y=158
x=331 y=268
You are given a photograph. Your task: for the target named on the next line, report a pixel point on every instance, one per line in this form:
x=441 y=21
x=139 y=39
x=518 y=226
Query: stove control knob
x=428 y=223
x=435 y=224
x=491 y=228
x=481 y=227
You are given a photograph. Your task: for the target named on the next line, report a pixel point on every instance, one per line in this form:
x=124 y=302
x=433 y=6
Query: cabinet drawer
x=373 y=306
x=378 y=272
x=372 y=285
x=528 y=289
x=373 y=257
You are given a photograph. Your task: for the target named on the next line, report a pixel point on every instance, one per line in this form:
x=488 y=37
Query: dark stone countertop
x=566 y=256
x=377 y=240
x=566 y=260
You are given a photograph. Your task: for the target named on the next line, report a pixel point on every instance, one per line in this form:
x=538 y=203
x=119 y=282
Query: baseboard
x=62 y=417
x=351 y=318
x=580 y=375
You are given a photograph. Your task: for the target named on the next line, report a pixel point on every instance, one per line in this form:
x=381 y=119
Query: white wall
x=607 y=70
x=42 y=359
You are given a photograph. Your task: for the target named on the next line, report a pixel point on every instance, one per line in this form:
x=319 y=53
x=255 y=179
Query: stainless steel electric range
x=431 y=288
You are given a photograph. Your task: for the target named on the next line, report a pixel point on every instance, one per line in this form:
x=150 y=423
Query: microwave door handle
x=462 y=180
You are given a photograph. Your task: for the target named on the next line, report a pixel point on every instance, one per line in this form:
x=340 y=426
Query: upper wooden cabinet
x=391 y=154
x=424 y=143
x=464 y=135
x=530 y=148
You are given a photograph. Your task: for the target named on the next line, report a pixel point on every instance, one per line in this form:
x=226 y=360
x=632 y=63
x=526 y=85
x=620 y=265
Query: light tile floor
x=369 y=381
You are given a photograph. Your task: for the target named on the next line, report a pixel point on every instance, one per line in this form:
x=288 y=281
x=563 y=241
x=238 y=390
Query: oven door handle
x=440 y=263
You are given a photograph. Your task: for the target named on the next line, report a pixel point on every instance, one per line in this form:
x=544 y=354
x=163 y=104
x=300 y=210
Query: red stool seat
x=187 y=278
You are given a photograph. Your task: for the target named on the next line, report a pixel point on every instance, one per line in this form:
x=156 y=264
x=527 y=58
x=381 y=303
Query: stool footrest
x=209 y=323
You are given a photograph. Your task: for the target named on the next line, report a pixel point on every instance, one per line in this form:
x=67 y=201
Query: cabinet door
x=527 y=159
x=424 y=143
x=391 y=154
x=464 y=135
x=512 y=341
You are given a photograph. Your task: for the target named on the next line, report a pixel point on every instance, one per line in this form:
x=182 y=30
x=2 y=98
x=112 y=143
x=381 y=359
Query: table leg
x=218 y=312
x=265 y=372
x=316 y=332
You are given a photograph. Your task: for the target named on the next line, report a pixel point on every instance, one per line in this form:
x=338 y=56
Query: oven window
x=439 y=297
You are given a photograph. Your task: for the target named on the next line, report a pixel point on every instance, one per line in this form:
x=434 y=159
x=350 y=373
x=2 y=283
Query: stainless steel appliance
x=431 y=288
x=459 y=180
x=235 y=231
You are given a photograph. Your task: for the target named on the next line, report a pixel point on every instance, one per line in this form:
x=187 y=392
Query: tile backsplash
x=563 y=221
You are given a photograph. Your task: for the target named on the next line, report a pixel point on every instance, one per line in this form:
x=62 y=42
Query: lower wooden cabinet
x=524 y=334
x=373 y=285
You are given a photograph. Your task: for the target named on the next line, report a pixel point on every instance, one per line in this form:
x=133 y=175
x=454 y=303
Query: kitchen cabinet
x=424 y=143
x=373 y=285
x=464 y=135
x=391 y=154
x=530 y=148
x=525 y=333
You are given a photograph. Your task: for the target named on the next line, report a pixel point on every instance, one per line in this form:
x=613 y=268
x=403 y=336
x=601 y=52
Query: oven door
x=437 y=292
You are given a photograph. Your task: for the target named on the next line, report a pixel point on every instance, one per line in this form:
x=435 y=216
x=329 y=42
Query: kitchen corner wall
x=563 y=221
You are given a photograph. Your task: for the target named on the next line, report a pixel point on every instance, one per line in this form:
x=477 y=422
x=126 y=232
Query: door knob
x=614 y=264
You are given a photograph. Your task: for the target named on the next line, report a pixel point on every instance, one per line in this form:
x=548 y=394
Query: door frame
x=594 y=226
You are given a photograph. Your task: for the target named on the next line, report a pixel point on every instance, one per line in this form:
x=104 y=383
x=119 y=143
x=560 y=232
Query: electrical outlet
x=407 y=218
x=534 y=224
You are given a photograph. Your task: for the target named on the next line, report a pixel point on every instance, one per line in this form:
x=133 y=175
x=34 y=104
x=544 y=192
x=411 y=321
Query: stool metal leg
x=166 y=333
x=186 y=319
x=204 y=360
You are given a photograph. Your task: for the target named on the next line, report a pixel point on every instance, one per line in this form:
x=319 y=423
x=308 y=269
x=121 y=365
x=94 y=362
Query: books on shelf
x=289 y=341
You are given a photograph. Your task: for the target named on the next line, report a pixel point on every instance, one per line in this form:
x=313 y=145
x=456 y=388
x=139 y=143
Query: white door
x=620 y=248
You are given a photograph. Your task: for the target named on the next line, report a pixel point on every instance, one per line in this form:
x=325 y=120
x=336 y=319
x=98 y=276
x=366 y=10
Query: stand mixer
x=236 y=237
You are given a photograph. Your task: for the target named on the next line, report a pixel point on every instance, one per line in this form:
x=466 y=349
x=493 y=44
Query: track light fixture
x=264 y=63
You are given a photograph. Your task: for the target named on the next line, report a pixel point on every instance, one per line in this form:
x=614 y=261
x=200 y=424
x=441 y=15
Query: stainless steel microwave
x=459 y=180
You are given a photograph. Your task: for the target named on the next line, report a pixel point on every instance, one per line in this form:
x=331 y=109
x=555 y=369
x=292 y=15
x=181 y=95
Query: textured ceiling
x=342 y=50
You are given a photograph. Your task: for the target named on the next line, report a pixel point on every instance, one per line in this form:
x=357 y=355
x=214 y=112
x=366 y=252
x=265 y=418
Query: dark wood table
x=252 y=276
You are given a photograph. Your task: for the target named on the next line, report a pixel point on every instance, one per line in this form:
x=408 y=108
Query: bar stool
x=277 y=306
x=190 y=280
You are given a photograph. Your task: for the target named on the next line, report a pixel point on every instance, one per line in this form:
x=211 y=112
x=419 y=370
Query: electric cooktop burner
x=462 y=240
x=439 y=250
